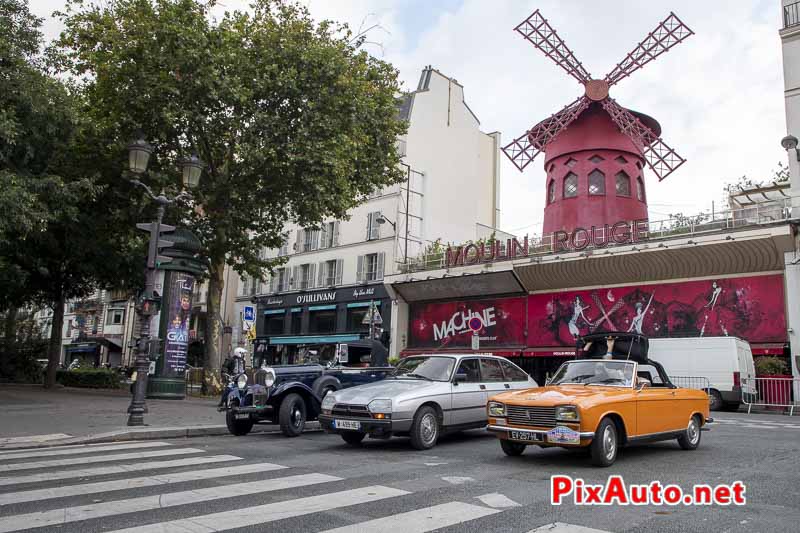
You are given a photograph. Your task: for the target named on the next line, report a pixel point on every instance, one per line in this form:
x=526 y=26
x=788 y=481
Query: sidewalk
x=32 y=416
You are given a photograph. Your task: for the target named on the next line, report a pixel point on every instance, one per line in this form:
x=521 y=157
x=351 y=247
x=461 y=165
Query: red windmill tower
x=595 y=149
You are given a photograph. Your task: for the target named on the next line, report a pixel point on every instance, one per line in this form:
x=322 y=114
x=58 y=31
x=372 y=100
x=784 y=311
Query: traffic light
x=157 y=243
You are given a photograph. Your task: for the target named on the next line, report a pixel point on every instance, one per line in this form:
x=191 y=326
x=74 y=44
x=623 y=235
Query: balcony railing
x=653 y=230
x=791 y=15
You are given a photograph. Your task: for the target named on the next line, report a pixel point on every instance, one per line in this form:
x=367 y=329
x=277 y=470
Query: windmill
x=594 y=145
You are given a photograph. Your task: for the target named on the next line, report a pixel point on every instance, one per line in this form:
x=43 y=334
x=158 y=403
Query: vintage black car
x=289 y=395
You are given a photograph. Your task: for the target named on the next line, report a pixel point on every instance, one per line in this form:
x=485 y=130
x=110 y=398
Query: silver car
x=425 y=396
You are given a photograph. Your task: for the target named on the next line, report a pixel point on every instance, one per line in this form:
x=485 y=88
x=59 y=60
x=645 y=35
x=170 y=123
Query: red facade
x=751 y=308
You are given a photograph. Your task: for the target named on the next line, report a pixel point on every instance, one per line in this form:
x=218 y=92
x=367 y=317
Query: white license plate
x=242 y=416
x=524 y=436
x=347 y=424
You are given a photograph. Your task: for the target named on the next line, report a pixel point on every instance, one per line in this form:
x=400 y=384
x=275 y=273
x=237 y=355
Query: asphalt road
x=318 y=483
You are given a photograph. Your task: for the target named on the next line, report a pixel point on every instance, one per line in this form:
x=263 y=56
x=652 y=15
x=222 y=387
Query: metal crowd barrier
x=691 y=382
x=771 y=393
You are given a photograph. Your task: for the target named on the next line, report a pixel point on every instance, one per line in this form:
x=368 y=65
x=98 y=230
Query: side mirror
x=459 y=378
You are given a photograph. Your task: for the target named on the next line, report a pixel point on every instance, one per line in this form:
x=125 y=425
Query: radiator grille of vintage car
x=359 y=411
x=531 y=416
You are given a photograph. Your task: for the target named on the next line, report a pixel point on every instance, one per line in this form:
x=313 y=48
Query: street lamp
x=138 y=158
x=383 y=220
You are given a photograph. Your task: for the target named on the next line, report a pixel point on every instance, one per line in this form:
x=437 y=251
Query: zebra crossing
x=152 y=487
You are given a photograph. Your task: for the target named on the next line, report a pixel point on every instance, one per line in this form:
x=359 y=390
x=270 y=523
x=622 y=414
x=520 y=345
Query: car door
x=515 y=377
x=492 y=377
x=468 y=397
x=658 y=409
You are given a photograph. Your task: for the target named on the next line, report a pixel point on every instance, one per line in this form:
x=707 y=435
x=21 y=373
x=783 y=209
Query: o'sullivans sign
x=622 y=232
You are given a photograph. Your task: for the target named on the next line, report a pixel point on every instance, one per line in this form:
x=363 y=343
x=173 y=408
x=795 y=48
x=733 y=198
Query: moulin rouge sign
x=622 y=232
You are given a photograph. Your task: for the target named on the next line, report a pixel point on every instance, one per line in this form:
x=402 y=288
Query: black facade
x=306 y=326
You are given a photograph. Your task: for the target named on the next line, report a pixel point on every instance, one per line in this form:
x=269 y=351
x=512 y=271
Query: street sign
x=373 y=317
x=476 y=342
x=475 y=323
x=249 y=313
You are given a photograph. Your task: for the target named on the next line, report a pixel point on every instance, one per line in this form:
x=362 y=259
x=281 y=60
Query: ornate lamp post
x=139 y=152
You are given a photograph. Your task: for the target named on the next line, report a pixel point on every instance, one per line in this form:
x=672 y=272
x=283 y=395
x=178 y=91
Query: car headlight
x=328 y=402
x=380 y=406
x=567 y=413
x=269 y=377
x=241 y=381
x=497 y=409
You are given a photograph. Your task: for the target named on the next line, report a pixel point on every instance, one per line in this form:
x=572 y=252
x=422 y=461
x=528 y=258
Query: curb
x=151 y=433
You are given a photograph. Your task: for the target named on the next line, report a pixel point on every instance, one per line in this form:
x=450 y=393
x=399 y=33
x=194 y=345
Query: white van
x=724 y=361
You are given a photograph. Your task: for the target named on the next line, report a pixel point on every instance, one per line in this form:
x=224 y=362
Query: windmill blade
x=541 y=34
x=667 y=34
x=660 y=157
x=549 y=128
x=520 y=151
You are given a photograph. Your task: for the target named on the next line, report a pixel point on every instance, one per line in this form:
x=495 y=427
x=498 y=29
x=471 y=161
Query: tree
x=293 y=120
x=60 y=234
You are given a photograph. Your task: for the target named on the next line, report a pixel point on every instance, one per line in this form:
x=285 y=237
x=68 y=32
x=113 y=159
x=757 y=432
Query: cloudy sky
x=718 y=95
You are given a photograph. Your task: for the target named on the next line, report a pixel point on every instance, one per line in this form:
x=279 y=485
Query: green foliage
x=771 y=366
x=21 y=348
x=91 y=378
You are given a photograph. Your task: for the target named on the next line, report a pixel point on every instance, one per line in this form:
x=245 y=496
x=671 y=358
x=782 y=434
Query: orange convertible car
x=610 y=396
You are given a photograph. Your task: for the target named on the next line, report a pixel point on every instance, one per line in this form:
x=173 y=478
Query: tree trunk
x=9 y=348
x=54 y=349
x=216 y=284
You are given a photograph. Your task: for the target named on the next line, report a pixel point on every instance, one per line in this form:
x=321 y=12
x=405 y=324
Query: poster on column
x=179 y=312
x=751 y=308
x=497 y=322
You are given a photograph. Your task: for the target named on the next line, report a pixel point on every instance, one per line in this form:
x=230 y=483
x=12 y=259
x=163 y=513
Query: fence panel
x=780 y=393
x=691 y=382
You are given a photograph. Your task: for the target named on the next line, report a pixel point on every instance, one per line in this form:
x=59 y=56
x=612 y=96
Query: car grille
x=531 y=416
x=359 y=411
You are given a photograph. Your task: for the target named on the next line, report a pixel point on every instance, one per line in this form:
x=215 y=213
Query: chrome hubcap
x=609 y=442
x=297 y=417
x=693 y=431
x=429 y=427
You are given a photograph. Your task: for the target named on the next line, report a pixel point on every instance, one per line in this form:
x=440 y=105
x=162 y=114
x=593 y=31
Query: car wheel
x=512 y=449
x=714 y=400
x=237 y=427
x=425 y=428
x=325 y=384
x=690 y=439
x=605 y=444
x=292 y=415
x=353 y=438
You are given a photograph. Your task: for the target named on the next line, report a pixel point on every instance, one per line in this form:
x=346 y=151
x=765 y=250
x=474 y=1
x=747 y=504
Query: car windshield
x=430 y=368
x=614 y=373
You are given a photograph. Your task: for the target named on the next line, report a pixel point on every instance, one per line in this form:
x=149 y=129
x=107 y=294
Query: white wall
x=790 y=38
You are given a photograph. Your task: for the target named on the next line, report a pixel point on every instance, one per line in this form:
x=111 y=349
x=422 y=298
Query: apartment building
x=334 y=273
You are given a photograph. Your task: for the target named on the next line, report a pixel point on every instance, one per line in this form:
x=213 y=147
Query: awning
x=458 y=286
x=313 y=339
x=432 y=351
x=563 y=351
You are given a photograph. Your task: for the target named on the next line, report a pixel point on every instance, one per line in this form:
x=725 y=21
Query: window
x=595 y=159
x=470 y=368
x=491 y=371
x=284 y=249
x=355 y=319
x=273 y=324
x=623 y=184
x=373 y=228
x=551 y=192
x=571 y=162
x=329 y=235
x=640 y=189
x=304 y=276
x=322 y=321
x=370 y=267
x=512 y=371
x=621 y=160
x=328 y=271
x=297 y=322
x=279 y=281
x=310 y=239
x=570 y=185
x=597 y=182
x=115 y=317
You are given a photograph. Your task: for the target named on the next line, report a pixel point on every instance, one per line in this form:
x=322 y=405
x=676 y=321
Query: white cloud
x=718 y=96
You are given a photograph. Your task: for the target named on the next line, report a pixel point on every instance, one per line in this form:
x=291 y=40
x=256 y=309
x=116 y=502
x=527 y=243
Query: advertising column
x=176 y=344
